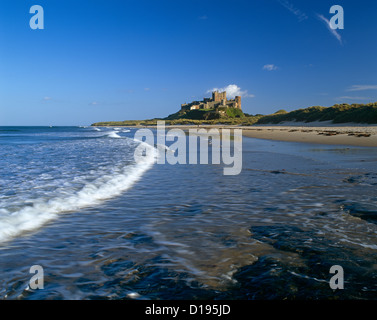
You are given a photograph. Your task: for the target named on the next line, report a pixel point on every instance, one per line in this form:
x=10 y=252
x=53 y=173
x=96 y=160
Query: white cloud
x=332 y=31
x=47 y=98
x=301 y=16
x=94 y=103
x=270 y=67
x=233 y=90
x=362 y=87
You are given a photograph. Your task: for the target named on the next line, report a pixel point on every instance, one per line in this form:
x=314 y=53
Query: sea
x=75 y=203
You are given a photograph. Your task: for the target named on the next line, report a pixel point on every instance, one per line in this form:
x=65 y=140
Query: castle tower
x=218 y=96
x=238 y=102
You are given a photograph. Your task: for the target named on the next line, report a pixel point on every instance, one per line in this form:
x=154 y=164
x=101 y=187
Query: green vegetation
x=339 y=113
x=191 y=114
x=280 y=111
x=246 y=121
x=223 y=115
x=234 y=113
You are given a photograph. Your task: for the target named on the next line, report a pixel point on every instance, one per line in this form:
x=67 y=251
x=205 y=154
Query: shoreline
x=343 y=134
x=351 y=136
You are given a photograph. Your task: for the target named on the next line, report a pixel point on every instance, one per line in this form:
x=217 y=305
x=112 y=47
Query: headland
x=341 y=124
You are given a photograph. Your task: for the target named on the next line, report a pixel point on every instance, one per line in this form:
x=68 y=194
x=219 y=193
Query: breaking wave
x=113 y=134
x=36 y=213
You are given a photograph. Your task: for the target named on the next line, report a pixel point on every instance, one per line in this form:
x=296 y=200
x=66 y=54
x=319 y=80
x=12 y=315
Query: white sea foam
x=113 y=134
x=42 y=211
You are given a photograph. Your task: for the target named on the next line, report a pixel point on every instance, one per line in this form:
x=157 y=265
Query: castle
x=218 y=100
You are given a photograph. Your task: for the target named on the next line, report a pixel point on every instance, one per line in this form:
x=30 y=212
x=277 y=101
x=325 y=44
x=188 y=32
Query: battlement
x=218 y=96
x=218 y=100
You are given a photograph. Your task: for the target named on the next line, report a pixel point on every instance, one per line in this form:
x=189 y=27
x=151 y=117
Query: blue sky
x=120 y=60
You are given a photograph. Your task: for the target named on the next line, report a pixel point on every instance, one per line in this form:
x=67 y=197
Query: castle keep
x=218 y=100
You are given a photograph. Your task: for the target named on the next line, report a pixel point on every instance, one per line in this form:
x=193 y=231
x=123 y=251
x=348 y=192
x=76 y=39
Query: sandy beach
x=353 y=136
x=315 y=132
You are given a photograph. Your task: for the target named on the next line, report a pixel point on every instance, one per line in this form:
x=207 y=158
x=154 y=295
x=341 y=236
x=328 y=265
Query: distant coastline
x=357 y=135
x=343 y=124
x=337 y=114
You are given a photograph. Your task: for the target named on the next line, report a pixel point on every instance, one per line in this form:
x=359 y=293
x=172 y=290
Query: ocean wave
x=43 y=210
x=113 y=134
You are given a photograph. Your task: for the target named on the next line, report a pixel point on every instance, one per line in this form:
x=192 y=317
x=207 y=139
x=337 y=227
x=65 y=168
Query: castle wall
x=218 y=99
